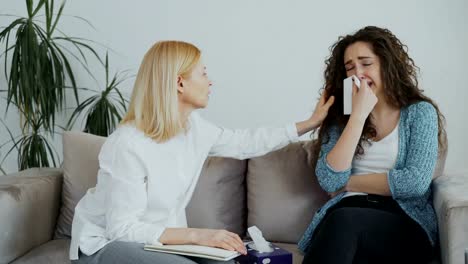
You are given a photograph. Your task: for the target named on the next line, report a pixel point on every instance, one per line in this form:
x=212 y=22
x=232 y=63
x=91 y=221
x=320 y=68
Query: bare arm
x=376 y=183
x=205 y=237
x=341 y=156
x=178 y=236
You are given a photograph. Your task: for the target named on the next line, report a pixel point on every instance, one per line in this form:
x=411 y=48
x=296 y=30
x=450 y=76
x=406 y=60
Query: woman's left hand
x=321 y=110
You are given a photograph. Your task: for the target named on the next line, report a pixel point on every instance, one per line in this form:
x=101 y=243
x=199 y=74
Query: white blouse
x=143 y=186
x=380 y=157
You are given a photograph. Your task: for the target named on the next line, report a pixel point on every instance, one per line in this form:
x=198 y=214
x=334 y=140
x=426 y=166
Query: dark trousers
x=368 y=229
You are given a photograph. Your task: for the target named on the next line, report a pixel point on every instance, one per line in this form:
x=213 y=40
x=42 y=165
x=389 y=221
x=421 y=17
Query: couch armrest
x=29 y=205
x=451 y=206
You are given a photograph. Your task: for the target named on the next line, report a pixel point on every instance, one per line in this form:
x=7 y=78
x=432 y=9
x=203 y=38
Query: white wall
x=266 y=57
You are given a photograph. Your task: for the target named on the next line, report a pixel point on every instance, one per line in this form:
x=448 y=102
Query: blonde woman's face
x=196 y=87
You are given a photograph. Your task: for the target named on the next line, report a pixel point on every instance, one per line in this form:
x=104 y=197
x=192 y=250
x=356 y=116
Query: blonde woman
x=149 y=167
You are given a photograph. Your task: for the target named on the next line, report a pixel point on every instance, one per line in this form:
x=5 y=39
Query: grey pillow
x=218 y=201
x=80 y=167
x=283 y=193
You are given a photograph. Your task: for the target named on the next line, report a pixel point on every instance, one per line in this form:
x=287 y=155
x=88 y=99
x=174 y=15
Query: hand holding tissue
x=260 y=251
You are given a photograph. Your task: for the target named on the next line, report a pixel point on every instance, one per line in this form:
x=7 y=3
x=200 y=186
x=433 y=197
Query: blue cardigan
x=410 y=179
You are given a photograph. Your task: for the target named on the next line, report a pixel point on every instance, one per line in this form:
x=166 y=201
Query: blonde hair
x=154 y=102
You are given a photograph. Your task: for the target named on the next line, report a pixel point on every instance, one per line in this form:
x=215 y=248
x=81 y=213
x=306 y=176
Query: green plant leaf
x=79 y=109
x=57 y=17
x=29 y=7
x=38 y=7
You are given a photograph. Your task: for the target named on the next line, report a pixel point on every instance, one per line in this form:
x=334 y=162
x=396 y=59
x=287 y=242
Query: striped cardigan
x=410 y=179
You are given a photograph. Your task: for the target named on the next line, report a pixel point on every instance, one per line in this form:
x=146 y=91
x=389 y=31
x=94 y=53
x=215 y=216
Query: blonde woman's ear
x=180 y=85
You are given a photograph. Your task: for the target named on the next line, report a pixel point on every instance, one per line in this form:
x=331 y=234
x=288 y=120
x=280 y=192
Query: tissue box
x=278 y=255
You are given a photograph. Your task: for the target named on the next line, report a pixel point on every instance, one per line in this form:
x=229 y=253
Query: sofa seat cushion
x=52 y=252
x=283 y=192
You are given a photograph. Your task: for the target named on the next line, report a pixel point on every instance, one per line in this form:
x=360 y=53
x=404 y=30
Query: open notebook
x=195 y=251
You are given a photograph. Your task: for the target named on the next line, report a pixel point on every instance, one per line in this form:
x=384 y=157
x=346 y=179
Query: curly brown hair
x=399 y=76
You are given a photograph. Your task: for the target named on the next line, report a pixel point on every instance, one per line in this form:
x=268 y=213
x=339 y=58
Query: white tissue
x=260 y=244
x=348 y=93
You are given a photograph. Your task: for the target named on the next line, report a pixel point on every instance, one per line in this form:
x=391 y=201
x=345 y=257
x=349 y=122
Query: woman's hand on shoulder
x=321 y=110
x=320 y=113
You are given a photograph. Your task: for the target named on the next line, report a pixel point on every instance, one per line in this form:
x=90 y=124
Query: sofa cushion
x=451 y=206
x=80 y=166
x=52 y=252
x=283 y=193
x=29 y=205
x=219 y=197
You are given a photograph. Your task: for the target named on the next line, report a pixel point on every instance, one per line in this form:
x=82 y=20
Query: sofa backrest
x=219 y=200
x=277 y=192
x=283 y=192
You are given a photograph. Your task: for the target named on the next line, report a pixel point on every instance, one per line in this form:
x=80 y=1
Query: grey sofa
x=276 y=192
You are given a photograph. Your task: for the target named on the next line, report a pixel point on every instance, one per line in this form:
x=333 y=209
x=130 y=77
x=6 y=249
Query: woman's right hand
x=219 y=238
x=364 y=100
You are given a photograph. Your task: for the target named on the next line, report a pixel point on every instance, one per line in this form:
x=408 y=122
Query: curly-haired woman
x=376 y=163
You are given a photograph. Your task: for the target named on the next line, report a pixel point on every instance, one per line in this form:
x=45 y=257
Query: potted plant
x=104 y=110
x=39 y=74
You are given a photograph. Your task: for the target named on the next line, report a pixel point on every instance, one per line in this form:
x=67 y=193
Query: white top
x=380 y=157
x=143 y=186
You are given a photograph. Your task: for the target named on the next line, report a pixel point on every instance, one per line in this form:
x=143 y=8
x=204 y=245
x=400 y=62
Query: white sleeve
x=126 y=200
x=248 y=143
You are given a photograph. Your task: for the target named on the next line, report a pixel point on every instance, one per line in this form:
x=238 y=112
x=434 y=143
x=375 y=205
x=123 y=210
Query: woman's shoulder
x=124 y=132
x=420 y=112
x=125 y=137
x=421 y=108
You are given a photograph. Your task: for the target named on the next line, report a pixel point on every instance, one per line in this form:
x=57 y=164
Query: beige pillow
x=219 y=199
x=283 y=193
x=80 y=167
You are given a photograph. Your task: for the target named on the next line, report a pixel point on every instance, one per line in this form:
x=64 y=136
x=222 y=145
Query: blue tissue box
x=279 y=255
